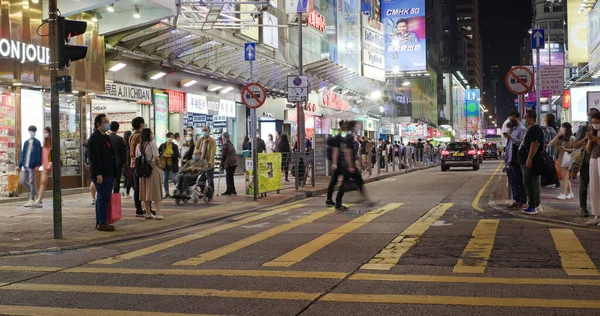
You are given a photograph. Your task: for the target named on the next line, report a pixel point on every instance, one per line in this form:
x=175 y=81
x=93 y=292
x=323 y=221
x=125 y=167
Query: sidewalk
x=30 y=230
x=553 y=210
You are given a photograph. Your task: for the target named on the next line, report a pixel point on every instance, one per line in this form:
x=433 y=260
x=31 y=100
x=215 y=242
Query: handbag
x=545 y=164
x=577 y=157
x=162 y=163
x=143 y=169
x=566 y=160
x=115 y=211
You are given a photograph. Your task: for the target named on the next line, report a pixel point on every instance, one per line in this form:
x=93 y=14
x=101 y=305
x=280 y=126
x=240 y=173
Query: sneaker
x=234 y=193
x=93 y=202
x=226 y=193
x=106 y=228
x=160 y=217
x=150 y=217
x=594 y=221
x=585 y=212
x=329 y=202
x=570 y=196
x=37 y=204
x=139 y=214
x=341 y=207
x=29 y=203
x=561 y=197
x=550 y=186
x=530 y=211
x=167 y=197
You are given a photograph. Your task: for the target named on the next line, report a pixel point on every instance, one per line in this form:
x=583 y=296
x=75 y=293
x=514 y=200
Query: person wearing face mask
x=102 y=169
x=46 y=165
x=31 y=160
x=185 y=152
x=530 y=154
x=270 y=144
x=170 y=152
x=549 y=134
x=261 y=147
x=138 y=125
x=117 y=145
x=564 y=140
x=593 y=149
x=151 y=186
x=514 y=137
x=581 y=140
x=206 y=149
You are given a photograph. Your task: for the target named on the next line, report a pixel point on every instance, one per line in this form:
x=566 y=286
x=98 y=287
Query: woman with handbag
x=151 y=185
x=564 y=141
x=169 y=156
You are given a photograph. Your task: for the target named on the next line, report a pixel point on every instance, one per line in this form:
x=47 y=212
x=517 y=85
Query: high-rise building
x=467 y=17
x=549 y=15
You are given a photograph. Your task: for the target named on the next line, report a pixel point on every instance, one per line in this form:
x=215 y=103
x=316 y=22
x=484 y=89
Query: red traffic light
x=68 y=53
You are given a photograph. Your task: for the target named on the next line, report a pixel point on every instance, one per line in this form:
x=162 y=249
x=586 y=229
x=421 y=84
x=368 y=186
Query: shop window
x=70 y=136
x=8 y=138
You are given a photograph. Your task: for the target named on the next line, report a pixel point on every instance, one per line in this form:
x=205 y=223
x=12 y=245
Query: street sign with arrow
x=249 y=51
x=537 y=39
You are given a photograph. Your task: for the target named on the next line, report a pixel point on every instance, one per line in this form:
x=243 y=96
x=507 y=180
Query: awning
x=326 y=71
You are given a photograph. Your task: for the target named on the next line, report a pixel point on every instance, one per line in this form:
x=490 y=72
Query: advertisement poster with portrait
x=405 y=35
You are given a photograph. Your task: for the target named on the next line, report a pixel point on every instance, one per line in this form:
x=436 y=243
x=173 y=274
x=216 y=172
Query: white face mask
x=596 y=126
x=46 y=135
x=188 y=138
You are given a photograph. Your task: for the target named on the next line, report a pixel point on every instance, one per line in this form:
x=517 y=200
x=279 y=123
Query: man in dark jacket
x=30 y=161
x=102 y=169
x=117 y=145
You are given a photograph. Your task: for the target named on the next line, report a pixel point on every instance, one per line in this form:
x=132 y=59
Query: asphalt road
x=431 y=246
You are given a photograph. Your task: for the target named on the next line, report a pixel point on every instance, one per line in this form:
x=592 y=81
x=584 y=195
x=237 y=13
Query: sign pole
x=538 y=85
x=55 y=119
x=299 y=109
x=254 y=143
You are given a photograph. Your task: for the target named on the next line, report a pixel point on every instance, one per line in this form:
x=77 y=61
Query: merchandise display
x=8 y=150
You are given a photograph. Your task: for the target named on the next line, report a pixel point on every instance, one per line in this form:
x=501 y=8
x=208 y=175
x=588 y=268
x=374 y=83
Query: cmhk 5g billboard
x=405 y=35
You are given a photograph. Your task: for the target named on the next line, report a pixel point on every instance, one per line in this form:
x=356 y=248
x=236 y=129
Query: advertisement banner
x=552 y=78
x=365 y=7
x=577 y=33
x=196 y=104
x=226 y=108
x=348 y=34
x=473 y=124
x=556 y=55
x=472 y=101
x=269 y=173
x=405 y=35
x=594 y=37
x=161 y=117
x=414 y=129
x=296 y=6
x=373 y=43
x=127 y=92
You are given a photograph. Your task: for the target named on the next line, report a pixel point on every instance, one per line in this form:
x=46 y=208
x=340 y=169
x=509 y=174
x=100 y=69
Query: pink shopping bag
x=114 y=209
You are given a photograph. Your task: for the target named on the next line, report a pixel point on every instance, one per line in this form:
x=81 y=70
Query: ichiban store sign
x=24 y=52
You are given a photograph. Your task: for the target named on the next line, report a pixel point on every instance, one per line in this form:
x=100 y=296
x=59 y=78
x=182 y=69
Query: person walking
x=285 y=150
x=516 y=134
x=277 y=141
x=229 y=162
x=549 y=134
x=29 y=162
x=46 y=165
x=564 y=141
x=117 y=144
x=127 y=167
x=151 y=186
x=138 y=125
x=261 y=147
x=338 y=162
x=593 y=149
x=270 y=144
x=102 y=169
x=529 y=155
x=581 y=140
x=246 y=145
x=170 y=152
x=206 y=149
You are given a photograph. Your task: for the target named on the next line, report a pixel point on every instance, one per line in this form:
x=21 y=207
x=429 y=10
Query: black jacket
x=118 y=147
x=102 y=160
x=174 y=158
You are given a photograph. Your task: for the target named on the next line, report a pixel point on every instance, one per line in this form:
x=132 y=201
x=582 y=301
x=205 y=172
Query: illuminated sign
x=577 y=33
x=405 y=35
x=127 y=92
x=334 y=101
x=472 y=100
x=310 y=107
x=316 y=20
x=24 y=52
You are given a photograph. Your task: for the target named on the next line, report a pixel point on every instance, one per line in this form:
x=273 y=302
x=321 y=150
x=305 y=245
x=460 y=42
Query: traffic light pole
x=54 y=118
x=300 y=109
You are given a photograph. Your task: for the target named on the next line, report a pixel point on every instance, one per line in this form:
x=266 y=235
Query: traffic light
x=68 y=53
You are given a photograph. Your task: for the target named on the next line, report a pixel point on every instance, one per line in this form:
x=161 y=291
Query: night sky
x=504 y=25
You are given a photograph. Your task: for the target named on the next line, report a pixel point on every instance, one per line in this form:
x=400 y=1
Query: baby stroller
x=194 y=171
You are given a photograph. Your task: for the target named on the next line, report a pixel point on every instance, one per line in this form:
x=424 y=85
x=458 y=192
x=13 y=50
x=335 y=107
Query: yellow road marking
x=29 y=269
x=555 y=224
x=390 y=255
x=178 y=232
x=475 y=204
x=240 y=244
x=328 y=238
x=472 y=280
x=475 y=256
x=132 y=290
x=303 y=201
x=573 y=257
x=58 y=311
x=461 y=300
x=184 y=239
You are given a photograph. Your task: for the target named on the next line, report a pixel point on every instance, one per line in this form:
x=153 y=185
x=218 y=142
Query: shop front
x=271 y=117
x=176 y=111
x=25 y=100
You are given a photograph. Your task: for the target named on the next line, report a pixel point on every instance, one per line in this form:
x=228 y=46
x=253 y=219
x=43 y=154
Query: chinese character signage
x=226 y=108
x=405 y=35
x=161 y=119
x=196 y=104
x=472 y=98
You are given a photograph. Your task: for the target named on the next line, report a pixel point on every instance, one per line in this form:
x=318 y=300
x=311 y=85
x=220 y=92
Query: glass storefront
x=8 y=138
x=70 y=132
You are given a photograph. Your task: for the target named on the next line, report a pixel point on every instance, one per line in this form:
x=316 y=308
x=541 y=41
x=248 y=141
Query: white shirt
x=28 y=154
x=505 y=130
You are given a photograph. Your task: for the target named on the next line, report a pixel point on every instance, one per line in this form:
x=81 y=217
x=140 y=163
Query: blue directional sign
x=537 y=39
x=249 y=51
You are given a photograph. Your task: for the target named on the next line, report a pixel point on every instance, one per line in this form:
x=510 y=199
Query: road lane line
x=460 y=300
x=472 y=279
x=389 y=256
x=60 y=311
x=132 y=290
x=328 y=238
x=240 y=244
x=303 y=201
x=475 y=257
x=29 y=269
x=195 y=236
x=475 y=204
x=574 y=259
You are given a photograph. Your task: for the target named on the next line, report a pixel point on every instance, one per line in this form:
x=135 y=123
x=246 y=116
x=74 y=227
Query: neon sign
x=316 y=20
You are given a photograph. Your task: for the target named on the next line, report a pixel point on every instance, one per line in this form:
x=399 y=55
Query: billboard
x=472 y=100
x=594 y=37
x=373 y=44
x=577 y=30
x=554 y=56
x=348 y=35
x=405 y=35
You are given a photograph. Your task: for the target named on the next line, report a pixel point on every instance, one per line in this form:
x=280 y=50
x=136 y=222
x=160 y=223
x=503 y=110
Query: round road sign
x=254 y=95
x=519 y=80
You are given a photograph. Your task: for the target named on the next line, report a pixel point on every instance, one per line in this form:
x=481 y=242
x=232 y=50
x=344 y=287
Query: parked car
x=461 y=154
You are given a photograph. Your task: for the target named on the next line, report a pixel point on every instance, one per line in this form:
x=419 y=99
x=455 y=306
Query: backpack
x=143 y=169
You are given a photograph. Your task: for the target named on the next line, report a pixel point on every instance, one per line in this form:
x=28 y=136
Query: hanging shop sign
x=310 y=107
x=333 y=100
x=316 y=20
x=24 y=52
x=226 y=108
x=196 y=104
x=161 y=118
x=127 y=92
x=176 y=101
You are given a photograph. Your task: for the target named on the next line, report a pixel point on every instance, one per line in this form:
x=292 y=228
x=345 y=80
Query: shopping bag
x=114 y=208
x=566 y=160
x=576 y=160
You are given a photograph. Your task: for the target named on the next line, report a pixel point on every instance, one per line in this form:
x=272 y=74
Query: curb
x=296 y=197
x=47 y=194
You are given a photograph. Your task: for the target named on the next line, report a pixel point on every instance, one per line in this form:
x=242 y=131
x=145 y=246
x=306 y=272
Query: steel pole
x=54 y=119
x=299 y=109
x=255 y=143
x=538 y=85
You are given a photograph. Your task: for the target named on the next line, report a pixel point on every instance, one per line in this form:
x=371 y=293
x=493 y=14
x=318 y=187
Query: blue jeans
x=517 y=186
x=168 y=174
x=104 y=192
x=210 y=178
x=28 y=180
